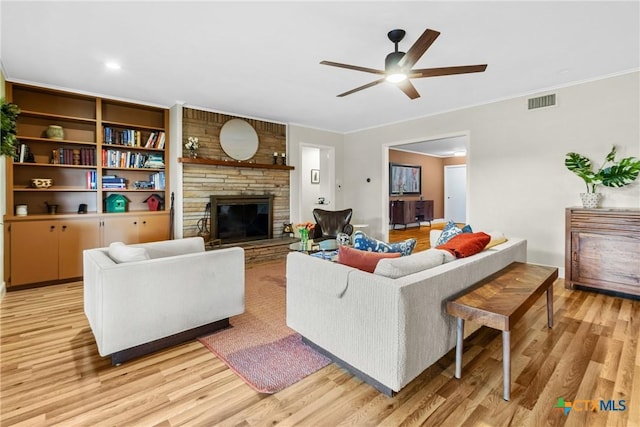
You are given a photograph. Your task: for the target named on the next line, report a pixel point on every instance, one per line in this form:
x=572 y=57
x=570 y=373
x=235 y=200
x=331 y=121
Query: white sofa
x=179 y=293
x=385 y=330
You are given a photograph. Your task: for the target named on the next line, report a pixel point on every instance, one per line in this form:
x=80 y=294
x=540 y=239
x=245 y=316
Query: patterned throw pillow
x=365 y=243
x=451 y=229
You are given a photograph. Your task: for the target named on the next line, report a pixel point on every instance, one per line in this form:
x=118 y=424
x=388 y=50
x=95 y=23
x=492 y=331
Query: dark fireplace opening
x=241 y=218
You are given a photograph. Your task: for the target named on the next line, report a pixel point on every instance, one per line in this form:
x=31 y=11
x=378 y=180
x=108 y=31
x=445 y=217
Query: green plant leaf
x=620 y=174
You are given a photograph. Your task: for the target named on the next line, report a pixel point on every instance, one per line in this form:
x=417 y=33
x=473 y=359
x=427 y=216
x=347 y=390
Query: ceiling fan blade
x=352 y=67
x=368 y=85
x=446 y=71
x=407 y=87
x=418 y=49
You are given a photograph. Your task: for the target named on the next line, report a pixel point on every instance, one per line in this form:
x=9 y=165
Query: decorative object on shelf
x=82 y=208
x=284 y=159
x=51 y=209
x=315 y=176
x=192 y=145
x=55 y=132
x=41 y=182
x=275 y=158
x=238 y=139
x=116 y=203
x=611 y=174
x=9 y=115
x=155 y=202
x=21 y=210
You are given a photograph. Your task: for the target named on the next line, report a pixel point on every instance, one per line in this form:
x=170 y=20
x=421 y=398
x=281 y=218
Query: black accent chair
x=330 y=223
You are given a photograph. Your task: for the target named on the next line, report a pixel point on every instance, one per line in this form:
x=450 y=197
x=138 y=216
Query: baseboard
x=143 y=349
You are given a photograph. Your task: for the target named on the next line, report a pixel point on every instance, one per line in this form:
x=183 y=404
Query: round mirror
x=239 y=139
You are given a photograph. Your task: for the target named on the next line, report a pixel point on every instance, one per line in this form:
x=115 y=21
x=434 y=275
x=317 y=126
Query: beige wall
x=432 y=176
x=517 y=181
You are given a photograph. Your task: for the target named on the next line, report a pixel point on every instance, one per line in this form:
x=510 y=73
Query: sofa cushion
x=119 y=252
x=365 y=243
x=362 y=260
x=466 y=244
x=451 y=229
x=497 y=238
x=400 y=267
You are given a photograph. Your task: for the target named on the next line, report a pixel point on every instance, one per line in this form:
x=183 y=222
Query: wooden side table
x=498 y=302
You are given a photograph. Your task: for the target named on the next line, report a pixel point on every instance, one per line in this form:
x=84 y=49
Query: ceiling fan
x=397 y=66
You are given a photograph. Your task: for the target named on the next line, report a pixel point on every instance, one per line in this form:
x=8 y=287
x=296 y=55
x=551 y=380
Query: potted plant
x=610 y=174
x=8 y=115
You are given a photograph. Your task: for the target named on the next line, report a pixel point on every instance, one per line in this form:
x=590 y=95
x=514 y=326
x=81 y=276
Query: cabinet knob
x=144 y=222
x=51 y=228
x=135 y=222
x=64 y=227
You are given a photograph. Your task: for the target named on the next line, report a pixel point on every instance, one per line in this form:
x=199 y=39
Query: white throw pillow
x=394 y=268
x=119 y=252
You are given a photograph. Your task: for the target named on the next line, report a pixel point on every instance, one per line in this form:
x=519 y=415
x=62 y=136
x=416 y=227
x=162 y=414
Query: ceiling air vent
x=542 y=101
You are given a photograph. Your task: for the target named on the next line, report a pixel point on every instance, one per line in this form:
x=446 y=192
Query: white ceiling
x=261 y=59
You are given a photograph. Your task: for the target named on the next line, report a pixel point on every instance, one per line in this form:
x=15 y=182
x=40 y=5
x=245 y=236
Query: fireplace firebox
x=241 y=218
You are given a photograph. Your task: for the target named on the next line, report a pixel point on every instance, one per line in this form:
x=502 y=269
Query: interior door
x=455 y=193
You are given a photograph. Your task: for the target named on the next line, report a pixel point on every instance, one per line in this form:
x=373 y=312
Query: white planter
x=590 y=200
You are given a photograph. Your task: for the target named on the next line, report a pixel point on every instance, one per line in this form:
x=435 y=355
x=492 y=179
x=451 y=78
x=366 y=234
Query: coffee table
x=311 y=247
x=498 y=302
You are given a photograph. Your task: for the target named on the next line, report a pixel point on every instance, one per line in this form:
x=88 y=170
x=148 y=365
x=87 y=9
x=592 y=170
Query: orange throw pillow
x=466 y=244
x=362 y=260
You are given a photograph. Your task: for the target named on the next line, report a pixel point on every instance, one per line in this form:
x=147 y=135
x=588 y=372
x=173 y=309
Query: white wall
x=298 y=137
x=309 y=192
x=517 y=181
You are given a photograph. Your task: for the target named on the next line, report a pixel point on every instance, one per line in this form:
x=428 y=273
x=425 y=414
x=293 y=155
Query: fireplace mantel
x=232 y=163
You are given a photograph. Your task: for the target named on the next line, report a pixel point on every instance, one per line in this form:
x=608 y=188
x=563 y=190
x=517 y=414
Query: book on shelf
x=127 y=137
x=91 y=177
x=158 y=180
x=154 y=161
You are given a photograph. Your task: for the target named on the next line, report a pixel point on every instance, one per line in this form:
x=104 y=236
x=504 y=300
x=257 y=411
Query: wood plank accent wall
x=201 y=181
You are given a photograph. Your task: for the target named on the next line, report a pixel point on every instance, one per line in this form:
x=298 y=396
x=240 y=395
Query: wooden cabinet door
x=75 y=236
x=119 y=229
x=34 y=252
x=606 y=261
x=153 y=228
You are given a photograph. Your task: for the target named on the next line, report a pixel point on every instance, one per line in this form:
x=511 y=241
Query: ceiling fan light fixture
x=396 y=77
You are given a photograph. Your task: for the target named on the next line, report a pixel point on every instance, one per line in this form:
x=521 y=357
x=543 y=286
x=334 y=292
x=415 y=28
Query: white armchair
x=181 y=292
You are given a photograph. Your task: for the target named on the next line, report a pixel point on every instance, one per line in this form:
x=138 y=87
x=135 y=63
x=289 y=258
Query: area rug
x=259 y=346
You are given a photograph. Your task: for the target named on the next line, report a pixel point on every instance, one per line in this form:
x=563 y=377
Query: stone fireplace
x=227 y=177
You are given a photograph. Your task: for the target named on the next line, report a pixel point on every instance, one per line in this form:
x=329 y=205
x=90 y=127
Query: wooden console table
x=498 y=302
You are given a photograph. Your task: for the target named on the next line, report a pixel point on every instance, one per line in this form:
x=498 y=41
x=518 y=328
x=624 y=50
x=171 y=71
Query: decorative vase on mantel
x=591 y=200
x=193 y=154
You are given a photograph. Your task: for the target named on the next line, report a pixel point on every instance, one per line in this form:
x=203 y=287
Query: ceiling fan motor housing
x=391 y=62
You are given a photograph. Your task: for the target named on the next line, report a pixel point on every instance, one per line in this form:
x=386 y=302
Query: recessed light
x=112 y=65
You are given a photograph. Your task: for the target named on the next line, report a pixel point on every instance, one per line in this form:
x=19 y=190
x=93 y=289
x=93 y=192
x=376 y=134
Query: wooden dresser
x=602 y=249
x=410 y=212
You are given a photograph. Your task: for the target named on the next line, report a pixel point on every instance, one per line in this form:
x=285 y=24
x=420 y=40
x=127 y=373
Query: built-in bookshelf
x=93 y=138
x=88 y=148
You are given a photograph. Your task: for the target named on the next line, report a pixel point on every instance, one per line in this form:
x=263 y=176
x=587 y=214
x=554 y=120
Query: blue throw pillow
x=365 y=243
x=451 y=229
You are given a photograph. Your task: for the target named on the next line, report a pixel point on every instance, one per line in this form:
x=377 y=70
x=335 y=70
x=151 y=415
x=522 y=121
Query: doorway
x=317 y=179
x=455 y=193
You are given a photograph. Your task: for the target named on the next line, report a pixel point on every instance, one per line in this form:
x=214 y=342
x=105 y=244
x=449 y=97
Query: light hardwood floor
x=51 y=374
